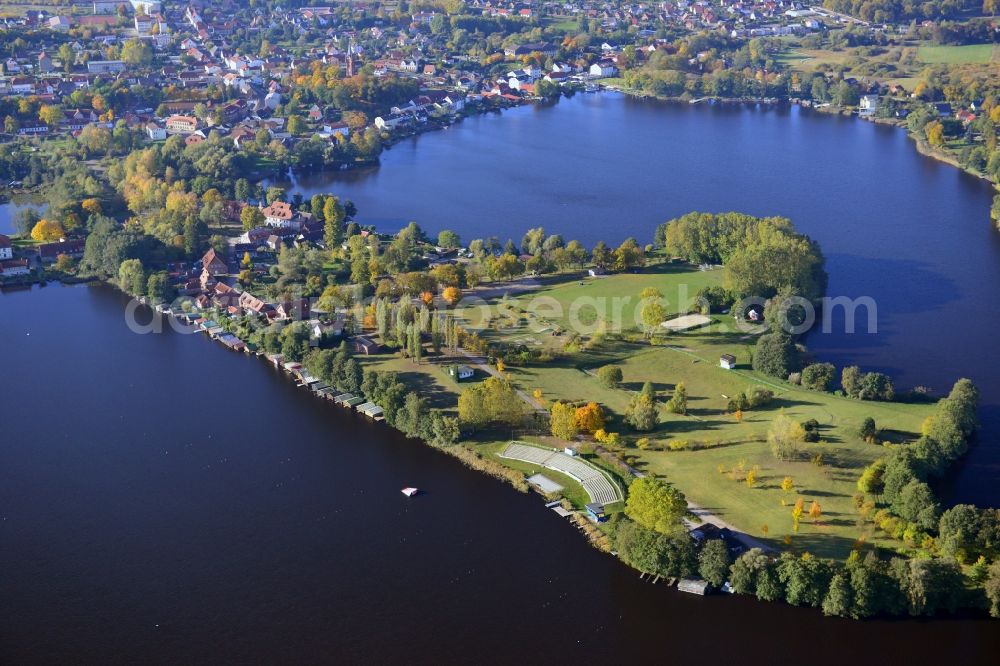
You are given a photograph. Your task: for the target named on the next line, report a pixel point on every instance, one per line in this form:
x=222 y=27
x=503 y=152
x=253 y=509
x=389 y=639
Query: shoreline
x=595 y=536
x=921 y=145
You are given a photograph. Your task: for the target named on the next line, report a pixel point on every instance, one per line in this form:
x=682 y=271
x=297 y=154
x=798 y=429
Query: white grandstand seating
x=593 y=480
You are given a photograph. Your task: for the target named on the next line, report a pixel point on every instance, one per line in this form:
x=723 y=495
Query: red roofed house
x=13 y=267
x=214 y=264
x=280 y=214
x=6 y=248
x=51 y=251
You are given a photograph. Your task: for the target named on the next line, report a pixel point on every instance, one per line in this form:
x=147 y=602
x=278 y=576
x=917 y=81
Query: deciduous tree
x=655 y=504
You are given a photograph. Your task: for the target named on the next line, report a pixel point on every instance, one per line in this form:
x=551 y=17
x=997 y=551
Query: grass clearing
x=429 y=380
x=715 y=437
x=956 y=55
x=616 y=297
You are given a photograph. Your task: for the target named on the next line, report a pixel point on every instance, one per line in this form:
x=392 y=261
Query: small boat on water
x=410 y=492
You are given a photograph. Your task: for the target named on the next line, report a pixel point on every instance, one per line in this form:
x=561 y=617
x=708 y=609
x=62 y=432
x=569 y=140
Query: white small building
x=155 y=132
x=392 y=121
x=6 y=248
x=867 y=105
x=461 y=372
x=333 y=129
x=602 y=69
x=727 y=361
x=272 y=100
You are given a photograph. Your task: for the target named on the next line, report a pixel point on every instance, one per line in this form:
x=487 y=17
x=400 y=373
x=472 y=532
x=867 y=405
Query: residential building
x=14 y=267
x=105 y=66
x=213 y=264
x=178 y=124
x=6 y=247
x=280 y=214
x=155 y=132
x=50 y=251
x=868 y=105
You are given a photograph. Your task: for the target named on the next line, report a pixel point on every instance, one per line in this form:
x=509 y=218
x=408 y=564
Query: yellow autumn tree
x=590 y=417
x=50 y=114
x=452 y=295
x=787 y=484
x=935 y=133
x=47 y=230
x=91 y=206
x=815 y=511
x=799 y=508
x=563 y=420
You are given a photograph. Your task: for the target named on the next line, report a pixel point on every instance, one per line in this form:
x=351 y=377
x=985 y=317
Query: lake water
x=910 y=232
x=8 y=215
x=166 y=500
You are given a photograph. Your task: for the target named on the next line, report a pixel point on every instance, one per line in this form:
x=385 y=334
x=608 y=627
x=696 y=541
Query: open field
x=760 y=508
x=429 y=379
x=707 y=451
x=580 y=299
x=956 y=55
x=808 y=60
x=715 y=437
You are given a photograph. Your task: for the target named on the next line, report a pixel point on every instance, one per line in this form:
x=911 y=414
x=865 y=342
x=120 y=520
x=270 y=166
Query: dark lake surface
x=164 y=500
x=907 y=231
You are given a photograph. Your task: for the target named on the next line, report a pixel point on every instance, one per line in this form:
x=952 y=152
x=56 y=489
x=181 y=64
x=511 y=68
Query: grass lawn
x=715 y=437
x=427 y=379
x=808 y=60
x=759 y=509
x=956 y=55
x=567 y=25
x=727 y=442
x=616 y=297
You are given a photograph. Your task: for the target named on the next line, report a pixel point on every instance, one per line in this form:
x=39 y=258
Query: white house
x=272 y=100
x=105 y=66
x=868 y=105
x=603 y=69
x=727 y=361
x=461 y=372
x=6 y=248
x=280 y=214
x=143 y=25
x=22 y=85
x=392 y=121
x=332 y=129
x=155 y=132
